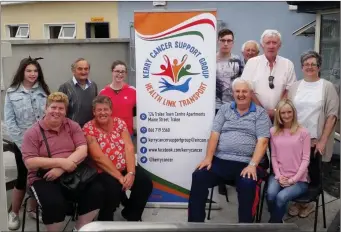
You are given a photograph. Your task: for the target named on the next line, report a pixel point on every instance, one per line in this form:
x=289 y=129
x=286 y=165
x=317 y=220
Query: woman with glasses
x=317 y=104
x=122 y=95
x=123 y=98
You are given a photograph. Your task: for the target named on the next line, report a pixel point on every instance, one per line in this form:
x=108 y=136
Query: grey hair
x=311 y=54
x=74 y=64
x=250 y=41
x=241 y=81
x=270 y=32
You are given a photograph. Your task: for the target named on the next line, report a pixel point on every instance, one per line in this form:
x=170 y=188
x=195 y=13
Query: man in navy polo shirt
x=236 y=147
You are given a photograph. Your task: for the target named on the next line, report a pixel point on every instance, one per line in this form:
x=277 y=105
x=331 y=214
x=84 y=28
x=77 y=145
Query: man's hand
x=128 y=181
x=249 y=171
x=53 y=174
x=205 y=163
x=68 y=165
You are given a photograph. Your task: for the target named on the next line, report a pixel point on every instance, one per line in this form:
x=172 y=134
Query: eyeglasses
x=229 y=41
x=309 y=65
x=119 y=72
x=271 y=82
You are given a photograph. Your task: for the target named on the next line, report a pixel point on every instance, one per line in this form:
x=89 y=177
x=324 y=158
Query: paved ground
x=227 y=213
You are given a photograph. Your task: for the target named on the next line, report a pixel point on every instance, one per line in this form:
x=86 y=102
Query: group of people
x=258 y=102
x=55 y=132
x=259 y=105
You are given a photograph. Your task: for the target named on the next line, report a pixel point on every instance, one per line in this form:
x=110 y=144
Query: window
x=330 y=47
x=330 y=51
x=97 y=30
x=60 y=31
x=20 y=31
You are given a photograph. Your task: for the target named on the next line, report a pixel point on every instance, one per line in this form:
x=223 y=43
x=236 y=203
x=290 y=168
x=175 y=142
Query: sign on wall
x=175 y=80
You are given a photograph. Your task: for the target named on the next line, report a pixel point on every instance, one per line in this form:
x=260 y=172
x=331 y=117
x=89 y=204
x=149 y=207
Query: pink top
x=290 y=154
x=62 y=143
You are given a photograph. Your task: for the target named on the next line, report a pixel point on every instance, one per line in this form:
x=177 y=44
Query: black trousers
x=21 y=169
x=55 y=200
x=134 y=207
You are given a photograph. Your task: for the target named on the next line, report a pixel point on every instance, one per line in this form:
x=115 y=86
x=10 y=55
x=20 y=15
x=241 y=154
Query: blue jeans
x=278 y=197
x=221 y=171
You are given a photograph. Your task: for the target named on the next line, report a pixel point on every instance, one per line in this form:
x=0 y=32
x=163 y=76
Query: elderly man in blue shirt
x=235 y=149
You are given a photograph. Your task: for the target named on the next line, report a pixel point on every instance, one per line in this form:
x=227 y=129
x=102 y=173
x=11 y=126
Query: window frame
x=62 y=25
x=19 y=25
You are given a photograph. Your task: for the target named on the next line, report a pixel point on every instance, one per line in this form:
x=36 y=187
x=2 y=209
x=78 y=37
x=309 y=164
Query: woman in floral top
x=113 y=153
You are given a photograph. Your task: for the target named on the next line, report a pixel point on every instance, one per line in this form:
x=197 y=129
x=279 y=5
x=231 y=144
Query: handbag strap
x=45 y=141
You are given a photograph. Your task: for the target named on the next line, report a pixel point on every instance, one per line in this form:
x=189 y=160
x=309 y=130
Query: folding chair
x=315 y=188
x=71 y=211
x=258 y=190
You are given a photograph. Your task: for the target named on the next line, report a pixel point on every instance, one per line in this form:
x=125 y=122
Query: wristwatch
x=252 y=164
x=132 y=173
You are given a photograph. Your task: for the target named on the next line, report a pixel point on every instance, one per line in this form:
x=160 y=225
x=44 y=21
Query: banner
x=175 y=82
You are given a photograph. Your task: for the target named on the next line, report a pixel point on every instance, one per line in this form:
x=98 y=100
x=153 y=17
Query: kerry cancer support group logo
x=176 y=74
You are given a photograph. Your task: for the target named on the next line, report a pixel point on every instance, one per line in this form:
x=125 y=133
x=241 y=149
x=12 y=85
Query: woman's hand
x=53 y=174
x=128 y=181
x=284 y=181
x=68 y=165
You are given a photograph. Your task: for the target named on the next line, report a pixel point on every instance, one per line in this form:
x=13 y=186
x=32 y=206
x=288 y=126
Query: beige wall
x=36 y=14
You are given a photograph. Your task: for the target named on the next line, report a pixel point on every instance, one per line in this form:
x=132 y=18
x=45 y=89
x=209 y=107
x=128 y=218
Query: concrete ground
x=227 y=213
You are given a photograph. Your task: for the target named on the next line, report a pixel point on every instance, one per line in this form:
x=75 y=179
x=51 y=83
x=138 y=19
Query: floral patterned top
x=111 y=143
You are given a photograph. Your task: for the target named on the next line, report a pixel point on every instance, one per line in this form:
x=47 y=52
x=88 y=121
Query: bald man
x=250 y=49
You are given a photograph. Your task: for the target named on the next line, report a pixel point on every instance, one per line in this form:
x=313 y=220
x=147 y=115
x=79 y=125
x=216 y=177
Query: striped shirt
x=239 y=133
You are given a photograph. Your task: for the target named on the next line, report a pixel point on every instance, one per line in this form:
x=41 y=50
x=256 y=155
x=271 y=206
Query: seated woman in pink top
x=290 y=146
x=67 y=148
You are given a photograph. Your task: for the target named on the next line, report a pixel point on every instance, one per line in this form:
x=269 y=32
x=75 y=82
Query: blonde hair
x=57 y=97
x=278 y=124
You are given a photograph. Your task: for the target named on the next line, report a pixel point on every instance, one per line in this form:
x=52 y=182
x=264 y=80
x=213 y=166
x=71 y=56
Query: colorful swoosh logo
x=168 y=35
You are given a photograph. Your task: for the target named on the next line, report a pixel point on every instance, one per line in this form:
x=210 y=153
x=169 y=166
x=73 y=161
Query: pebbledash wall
x=60 y=54
x=247 y=20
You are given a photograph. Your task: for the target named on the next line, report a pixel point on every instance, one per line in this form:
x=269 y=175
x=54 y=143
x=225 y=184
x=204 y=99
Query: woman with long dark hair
x=24 y=105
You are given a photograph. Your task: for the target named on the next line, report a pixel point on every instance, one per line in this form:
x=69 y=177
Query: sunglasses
x=271 y=82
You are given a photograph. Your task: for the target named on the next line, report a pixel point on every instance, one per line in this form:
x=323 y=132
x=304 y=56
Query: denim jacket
x=22 y=109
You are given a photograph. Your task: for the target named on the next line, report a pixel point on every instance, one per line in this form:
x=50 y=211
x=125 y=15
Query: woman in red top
x=113 y=152
x=122 y=95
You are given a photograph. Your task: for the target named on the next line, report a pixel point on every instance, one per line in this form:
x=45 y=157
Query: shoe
x=294 y=209
x=306 y=210
x=13 y=221
x=32 y=214
x=222 y=189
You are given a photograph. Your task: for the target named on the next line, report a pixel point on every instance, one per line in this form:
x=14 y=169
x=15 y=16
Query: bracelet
x=132 y=173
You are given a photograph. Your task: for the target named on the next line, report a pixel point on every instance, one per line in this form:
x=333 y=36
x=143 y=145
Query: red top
x=123 y=103
x=112 y=144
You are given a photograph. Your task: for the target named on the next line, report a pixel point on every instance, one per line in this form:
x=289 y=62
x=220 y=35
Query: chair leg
x=67 y=223
x=37 y=217
x=316 y=214
x=261 y=203
x=227 y=195
x=210 y=205
x=24 y=215
x=323 y=211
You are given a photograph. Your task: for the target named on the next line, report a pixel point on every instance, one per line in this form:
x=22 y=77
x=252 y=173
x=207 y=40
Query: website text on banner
x=175 y=80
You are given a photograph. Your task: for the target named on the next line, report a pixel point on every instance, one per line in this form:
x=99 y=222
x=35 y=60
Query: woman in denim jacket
x=24 y=105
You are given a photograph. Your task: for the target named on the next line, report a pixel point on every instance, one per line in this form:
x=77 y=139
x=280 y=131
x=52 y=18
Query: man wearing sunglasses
x=270 y=74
